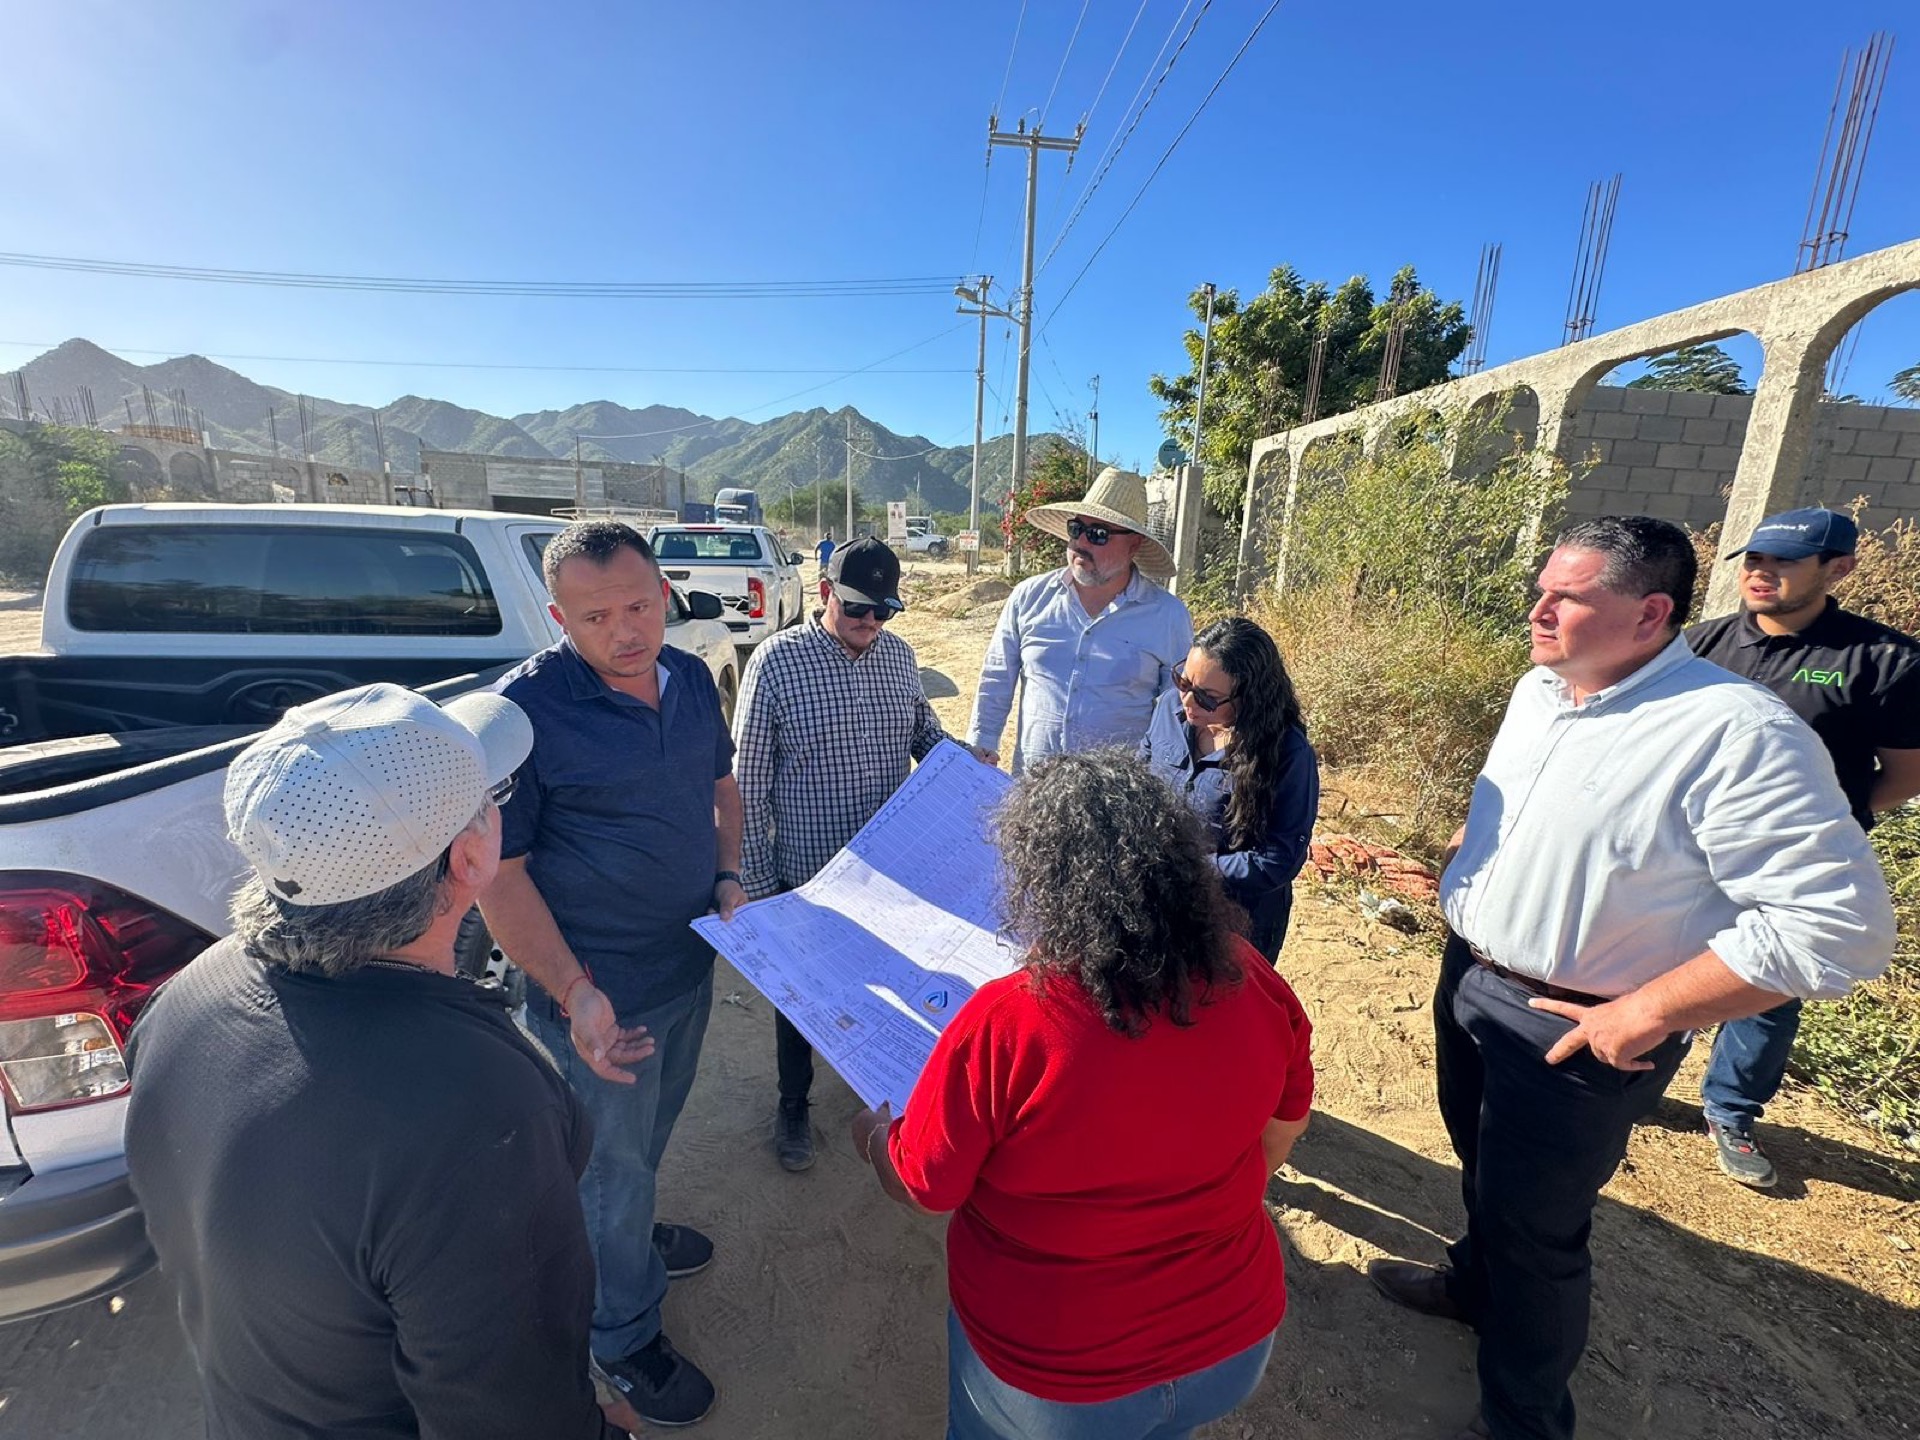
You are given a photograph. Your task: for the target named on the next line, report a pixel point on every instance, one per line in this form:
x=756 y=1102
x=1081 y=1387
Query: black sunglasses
x=503 y=792
x=1094 y=534
x=882 y=613
x=1205 y=699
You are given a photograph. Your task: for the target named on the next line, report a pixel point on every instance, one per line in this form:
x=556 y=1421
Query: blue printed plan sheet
x=874 y=955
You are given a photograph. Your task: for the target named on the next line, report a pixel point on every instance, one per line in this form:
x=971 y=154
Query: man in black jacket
x=360 y=1176
x=1857 y=683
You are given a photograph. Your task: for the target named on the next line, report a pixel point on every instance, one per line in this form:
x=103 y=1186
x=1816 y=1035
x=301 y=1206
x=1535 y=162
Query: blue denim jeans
x=1749 y=1062
x=631 y=1127
x=981 y=1406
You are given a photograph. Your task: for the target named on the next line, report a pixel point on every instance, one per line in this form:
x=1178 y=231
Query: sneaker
x=663 y=1386
x=793 y=1136
x=1741 y=1156
x=685 y=1249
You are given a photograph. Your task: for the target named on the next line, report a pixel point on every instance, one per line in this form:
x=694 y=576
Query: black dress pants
x=1536 y=1143
x=794 y=1057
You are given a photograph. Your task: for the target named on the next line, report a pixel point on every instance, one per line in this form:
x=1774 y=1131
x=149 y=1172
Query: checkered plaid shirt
x=823 y=740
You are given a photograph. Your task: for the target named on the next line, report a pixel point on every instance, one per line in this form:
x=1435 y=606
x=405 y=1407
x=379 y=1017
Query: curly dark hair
x=1109 y=879
x=1265 y=709
x=595 y=540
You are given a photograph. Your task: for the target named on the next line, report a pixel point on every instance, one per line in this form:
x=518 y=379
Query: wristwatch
x=733 y=875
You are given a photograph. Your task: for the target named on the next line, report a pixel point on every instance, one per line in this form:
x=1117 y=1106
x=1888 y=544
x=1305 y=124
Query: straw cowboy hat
x=1119 y=498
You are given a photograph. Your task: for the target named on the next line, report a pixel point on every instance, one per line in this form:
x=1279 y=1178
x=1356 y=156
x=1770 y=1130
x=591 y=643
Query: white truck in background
x=172 y=634
x=756 y=577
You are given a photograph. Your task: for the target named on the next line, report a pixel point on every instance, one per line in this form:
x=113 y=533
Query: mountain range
x=791 y=450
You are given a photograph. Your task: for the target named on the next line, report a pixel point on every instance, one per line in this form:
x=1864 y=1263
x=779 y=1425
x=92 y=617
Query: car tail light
x=78 y=960
x=756 y=598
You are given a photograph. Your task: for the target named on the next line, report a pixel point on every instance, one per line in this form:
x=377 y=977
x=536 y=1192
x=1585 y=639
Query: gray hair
x=336 y=940
x=1644 y=557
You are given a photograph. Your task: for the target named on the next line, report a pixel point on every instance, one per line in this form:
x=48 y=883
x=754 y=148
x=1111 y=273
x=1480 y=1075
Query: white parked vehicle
x=171 y=635
x=756 y=577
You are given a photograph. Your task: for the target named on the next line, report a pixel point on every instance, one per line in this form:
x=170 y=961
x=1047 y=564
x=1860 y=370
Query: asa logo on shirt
x=1819 y=677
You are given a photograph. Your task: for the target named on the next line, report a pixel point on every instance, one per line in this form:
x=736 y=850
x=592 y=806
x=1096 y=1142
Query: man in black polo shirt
x=627 y=828
x=1857 y=683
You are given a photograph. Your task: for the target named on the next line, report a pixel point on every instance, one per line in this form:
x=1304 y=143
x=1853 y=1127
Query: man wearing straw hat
x=1092 y=644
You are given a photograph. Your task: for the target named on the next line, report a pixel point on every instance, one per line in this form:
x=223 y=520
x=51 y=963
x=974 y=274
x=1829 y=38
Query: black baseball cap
x=866 y=572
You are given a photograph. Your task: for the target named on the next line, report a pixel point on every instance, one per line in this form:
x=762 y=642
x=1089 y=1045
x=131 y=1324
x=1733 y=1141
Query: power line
x=1119 y=144
x=1012 y=50
x=486 y=365
x=1066 y=56
x=1125 y=40
x=541 y=289
x=1245 y=46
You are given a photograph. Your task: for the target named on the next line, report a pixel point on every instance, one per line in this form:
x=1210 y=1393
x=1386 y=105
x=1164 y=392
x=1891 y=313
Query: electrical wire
x=225 y=355
x=1245 y=45
x=1068 y=55
x=1111 y=156
x=1125 y=40
x=539 y=289
x=1012 y=50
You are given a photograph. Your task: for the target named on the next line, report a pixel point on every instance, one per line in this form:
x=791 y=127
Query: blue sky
x=768 y=141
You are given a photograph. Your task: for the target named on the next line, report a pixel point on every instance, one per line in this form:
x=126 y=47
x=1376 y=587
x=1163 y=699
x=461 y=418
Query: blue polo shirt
x=614 y=812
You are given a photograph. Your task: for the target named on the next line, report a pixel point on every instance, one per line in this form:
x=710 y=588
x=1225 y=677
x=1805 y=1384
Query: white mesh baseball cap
x=353 y=793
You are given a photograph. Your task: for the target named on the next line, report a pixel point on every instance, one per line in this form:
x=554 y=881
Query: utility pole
x=819 y=484
x=1093 y=418
x=1033 y=143
x=1189 y=507
x=983 y=307
x=849 y=535
x=579 y=480
x=1206 y=362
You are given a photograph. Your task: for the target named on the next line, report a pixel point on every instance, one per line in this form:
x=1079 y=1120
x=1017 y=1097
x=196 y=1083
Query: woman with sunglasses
x=1229 y=739
x=1101 y=1125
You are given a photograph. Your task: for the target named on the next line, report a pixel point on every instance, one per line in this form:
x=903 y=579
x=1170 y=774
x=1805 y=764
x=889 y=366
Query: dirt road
x=1719 y=1312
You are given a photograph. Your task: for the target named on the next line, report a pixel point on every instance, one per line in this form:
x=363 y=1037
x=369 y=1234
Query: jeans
x=981 y=1406
x=1536 y=1142
x=1748 y=1063
x=631 y=1127
x=793 y=1057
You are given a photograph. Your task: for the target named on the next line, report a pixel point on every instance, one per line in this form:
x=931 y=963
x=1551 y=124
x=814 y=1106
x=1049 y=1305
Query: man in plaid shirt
x=830 y=717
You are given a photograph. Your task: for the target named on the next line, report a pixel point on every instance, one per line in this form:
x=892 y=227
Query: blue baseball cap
x=1796 y=534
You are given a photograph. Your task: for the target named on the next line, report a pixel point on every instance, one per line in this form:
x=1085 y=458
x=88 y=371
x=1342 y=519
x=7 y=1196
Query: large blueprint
x=874 y=955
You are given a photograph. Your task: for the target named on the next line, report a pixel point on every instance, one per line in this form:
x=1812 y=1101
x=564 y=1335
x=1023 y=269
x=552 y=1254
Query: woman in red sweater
x=1102 y=1125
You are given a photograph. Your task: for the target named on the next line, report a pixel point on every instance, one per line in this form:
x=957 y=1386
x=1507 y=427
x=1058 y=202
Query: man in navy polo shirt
x=1857 y=683
x=627 y=829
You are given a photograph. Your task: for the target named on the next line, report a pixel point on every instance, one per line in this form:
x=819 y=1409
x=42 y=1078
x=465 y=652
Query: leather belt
x=1533 y=986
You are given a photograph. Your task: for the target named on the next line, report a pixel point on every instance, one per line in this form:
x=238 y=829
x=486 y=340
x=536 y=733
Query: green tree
x=1263 y=350
x=1906 y=384
x=1703 y=369
x=1058 y=472
x=49 y=475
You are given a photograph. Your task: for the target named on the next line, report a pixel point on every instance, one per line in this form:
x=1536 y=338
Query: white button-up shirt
x=1682 y=809
x=1085 y=680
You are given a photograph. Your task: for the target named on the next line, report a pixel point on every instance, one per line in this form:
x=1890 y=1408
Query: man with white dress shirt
x=1091 y=645
x=1654 y=845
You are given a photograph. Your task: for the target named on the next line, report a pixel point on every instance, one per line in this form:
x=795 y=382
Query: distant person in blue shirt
x=1229 y=740
x=1093 y=644
x=825 y=551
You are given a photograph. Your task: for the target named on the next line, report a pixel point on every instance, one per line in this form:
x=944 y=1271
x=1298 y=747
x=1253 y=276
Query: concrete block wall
x=1674 y=453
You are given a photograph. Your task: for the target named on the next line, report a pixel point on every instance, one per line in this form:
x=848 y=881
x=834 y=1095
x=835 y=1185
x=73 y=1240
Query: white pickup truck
x=755 y=576
x=171 y=634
